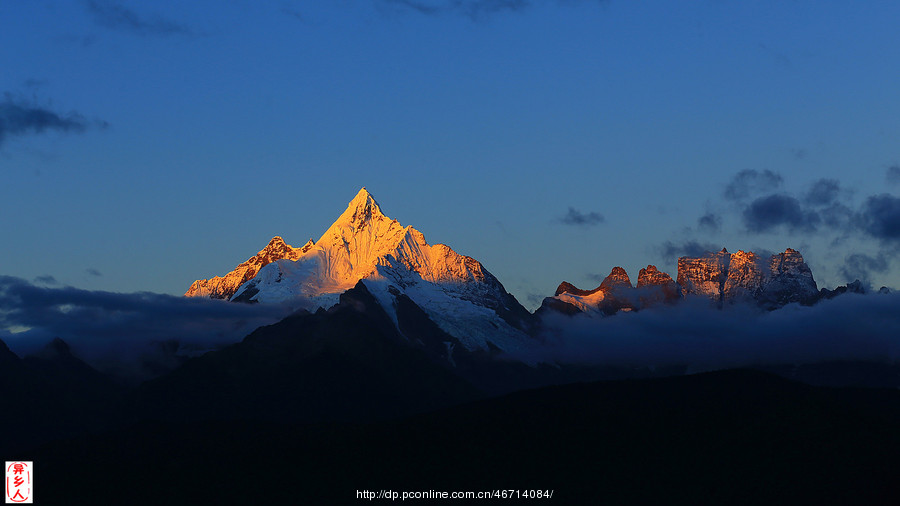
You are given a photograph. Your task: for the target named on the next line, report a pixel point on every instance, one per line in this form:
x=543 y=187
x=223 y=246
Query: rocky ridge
x=224 y=287
x=745 y=276
x=615 y=293
x=705 y=275
x=723 y=277
x=655 y=286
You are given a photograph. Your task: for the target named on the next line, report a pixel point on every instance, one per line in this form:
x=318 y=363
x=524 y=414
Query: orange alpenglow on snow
x=360 y=241
x=224 y=287
x=363 y=244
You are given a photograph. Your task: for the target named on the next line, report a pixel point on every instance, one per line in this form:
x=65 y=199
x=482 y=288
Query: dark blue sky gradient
x=143 y=146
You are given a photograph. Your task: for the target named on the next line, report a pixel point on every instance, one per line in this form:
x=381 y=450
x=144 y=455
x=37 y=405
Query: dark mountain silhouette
x=732 y=437
x=53 y=394
x=348 y=363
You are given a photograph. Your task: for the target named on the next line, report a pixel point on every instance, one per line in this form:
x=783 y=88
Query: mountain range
x=465 y=300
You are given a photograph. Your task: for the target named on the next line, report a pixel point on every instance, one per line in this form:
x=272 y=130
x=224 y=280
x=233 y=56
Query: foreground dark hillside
x=732 y=437
x=320 y=405
x=349 y=363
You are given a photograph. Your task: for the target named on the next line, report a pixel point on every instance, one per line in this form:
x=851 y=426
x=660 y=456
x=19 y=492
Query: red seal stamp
x=19 y=479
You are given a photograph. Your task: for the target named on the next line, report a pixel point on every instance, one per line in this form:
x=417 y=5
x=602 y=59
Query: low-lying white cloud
x=696 y=335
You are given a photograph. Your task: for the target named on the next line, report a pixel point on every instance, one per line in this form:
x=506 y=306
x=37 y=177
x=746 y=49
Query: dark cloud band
x=692 y=335
x=102 y=326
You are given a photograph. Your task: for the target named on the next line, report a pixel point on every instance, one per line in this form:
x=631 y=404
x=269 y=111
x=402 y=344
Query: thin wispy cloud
x=472 y=9
x=21 y=118
x=799 y=153
x=837 y=217
x=32 y=83
x=114 y=15
x=709 y=222
x=578 y=218
x=535 y=298
x=823 y=192
x=596 y=277
x=751 y=182
x=416 y=6
x=893 y=174
x=670 y=251
x=294 y=13
x=862 y=267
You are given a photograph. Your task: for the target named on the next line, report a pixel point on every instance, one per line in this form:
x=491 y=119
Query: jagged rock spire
x=617 y=278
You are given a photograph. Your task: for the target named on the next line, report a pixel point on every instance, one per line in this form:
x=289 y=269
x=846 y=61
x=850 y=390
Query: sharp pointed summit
x=363 y=209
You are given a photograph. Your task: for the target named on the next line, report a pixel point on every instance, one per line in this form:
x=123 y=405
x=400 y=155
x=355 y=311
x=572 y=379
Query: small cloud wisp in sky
x=670 y=251
x=751 y=182
x=893 y=174
x=862 y=266
x=46 y=280
x=576 y=217
x=472 y=9
x=113 y=15
x=823 y=192
x=19 y=118
x=709 y=222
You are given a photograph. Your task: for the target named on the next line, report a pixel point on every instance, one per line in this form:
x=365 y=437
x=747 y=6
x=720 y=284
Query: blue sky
x=145 y=145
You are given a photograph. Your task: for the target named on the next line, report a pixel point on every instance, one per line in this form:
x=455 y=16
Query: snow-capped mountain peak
x=361 y=211
x=351 y=247
x=454 y=290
